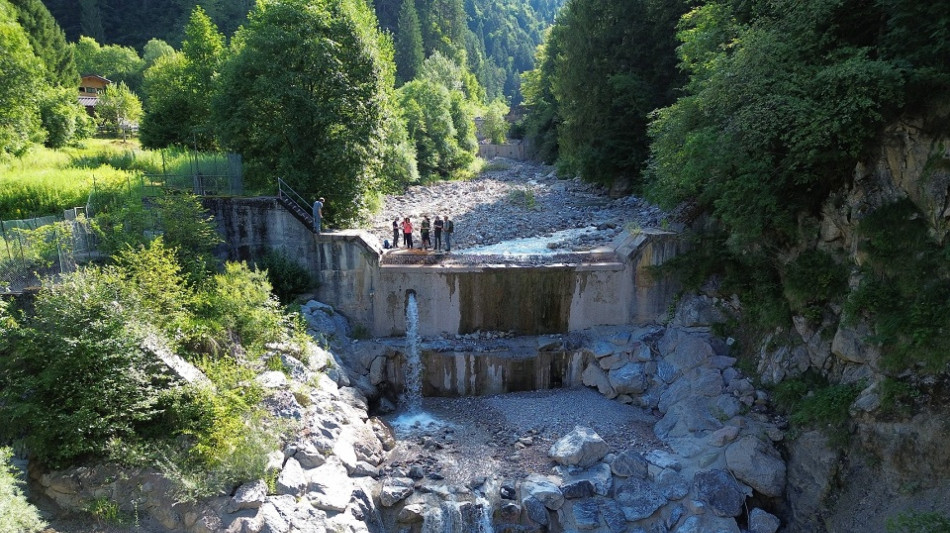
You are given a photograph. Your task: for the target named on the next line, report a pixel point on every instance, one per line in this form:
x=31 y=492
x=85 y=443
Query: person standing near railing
x=318 y=215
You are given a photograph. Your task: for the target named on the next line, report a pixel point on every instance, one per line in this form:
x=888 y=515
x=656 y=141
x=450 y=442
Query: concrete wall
x=456 y=298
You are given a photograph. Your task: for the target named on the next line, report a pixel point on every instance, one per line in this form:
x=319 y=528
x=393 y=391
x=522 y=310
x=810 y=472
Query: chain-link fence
x=45 y=246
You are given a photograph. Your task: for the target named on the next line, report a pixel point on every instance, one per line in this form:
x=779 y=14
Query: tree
x=431 y=113
x=543 y=118
x=24 y=77
x=179 y=89
x=63 y=118
x=118 y=109
x=409 y=52
x=117 y=63
x=48 y=42
x=307 y=98
x=155 y=49
x=616 y=63
x=495 y=125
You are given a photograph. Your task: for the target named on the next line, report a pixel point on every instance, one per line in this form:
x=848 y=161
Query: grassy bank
x=46 y=181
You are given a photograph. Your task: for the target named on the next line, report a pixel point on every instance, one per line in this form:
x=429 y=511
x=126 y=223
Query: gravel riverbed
x=514 y=200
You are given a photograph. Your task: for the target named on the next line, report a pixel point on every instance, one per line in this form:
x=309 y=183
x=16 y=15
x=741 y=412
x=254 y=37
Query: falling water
x=484 y=520
x=414 y=370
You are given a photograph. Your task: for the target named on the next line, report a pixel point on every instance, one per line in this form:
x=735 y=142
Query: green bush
x=813 y=280
x=76 y=375
x=286 y=276
x=810 y=402
x=240 y=301
x=918 y=522
x=905 y=290
x=16 y=514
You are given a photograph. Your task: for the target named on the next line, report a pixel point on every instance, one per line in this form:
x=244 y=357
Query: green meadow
x=46 y=181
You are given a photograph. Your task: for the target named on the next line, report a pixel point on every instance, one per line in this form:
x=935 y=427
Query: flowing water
x=413 y=396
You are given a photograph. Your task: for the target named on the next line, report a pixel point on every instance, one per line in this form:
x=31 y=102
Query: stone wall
x=456 y=298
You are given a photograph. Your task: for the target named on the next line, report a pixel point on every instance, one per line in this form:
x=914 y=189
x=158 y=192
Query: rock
x=582 y=447
x=663 y=459
x=757 y=464
x=594 y=376
x=309 y=456
x=573 y=490
x=271 y=520
x=672 y=485
x=723 y=436
x=536 y=510
x=708 y=524
x=507 y=491
x=613 y=516
x=763 y=522
x=598 y=475
x=586 y=514
x=602 y=349
x=411 y=513
x=395 y=490
x=273 y=379
x=630 y=463
x=377 y=370
x=720 y=492
x=812 y=468
x=291 y=480
x=509 y=512
x=250 y=495
x=542 y=489
x=628 y=379
x=383 y=432
x=329 y=487
x=697 y=311
x=638 y=499
x=416 y=472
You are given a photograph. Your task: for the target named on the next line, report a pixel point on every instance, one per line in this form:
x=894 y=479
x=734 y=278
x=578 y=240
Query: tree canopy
x=307 y=97
x=24 y=75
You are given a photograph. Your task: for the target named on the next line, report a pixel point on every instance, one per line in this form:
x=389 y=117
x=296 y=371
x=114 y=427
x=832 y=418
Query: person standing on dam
x=407 y=233
x=318 y=215
x=449 y=230
x=438 y=225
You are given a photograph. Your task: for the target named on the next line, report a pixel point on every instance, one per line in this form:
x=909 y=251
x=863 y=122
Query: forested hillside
x=498 y=37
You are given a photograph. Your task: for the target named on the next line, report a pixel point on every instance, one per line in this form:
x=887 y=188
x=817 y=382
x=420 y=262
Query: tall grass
x=46 y=181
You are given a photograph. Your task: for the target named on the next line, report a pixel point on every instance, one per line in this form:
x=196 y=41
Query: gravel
x=508 y=435
x=515 y=199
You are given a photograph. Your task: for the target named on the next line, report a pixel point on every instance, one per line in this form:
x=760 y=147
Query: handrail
x=284 y=191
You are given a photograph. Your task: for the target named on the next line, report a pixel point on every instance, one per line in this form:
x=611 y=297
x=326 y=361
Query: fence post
x=3 y=233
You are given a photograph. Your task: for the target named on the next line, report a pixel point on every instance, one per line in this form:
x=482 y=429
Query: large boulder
x=291 y=480
x=717 y=489
x=544 y=490
x=757 y=464
x=628 y=379
x=395 y=490
x=582 y=447
x=630 y=463
x=638 y=499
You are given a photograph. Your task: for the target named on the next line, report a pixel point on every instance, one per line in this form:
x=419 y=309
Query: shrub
x=240 y=301
x=286 y=276
x=905 y=290
x=813 y=280
x=918 y=522
x=810 y=401
x=76 y=375
x=16 y=514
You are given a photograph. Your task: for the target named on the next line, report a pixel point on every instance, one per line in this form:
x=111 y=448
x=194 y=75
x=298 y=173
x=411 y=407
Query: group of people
x=442 y=227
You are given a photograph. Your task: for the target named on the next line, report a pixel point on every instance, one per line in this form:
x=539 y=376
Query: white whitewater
x=413 y=360
x=484 y=519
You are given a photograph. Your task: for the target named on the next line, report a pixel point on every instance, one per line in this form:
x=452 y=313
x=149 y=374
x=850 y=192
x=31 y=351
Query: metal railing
x=287 y=193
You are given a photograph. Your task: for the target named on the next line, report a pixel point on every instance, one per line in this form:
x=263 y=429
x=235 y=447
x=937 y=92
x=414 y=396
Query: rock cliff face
x=893 y=465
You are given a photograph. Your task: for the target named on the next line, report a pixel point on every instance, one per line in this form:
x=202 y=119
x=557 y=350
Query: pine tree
x=48 y=42
x=409 y=52
x=90 y=20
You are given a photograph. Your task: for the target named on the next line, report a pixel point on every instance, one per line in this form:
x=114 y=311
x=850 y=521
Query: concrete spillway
x=613 y=285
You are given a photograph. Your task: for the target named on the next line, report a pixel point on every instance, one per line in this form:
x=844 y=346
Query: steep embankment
x=884 y=335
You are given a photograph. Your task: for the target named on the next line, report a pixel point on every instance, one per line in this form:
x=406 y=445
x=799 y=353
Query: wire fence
x=35 y=248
